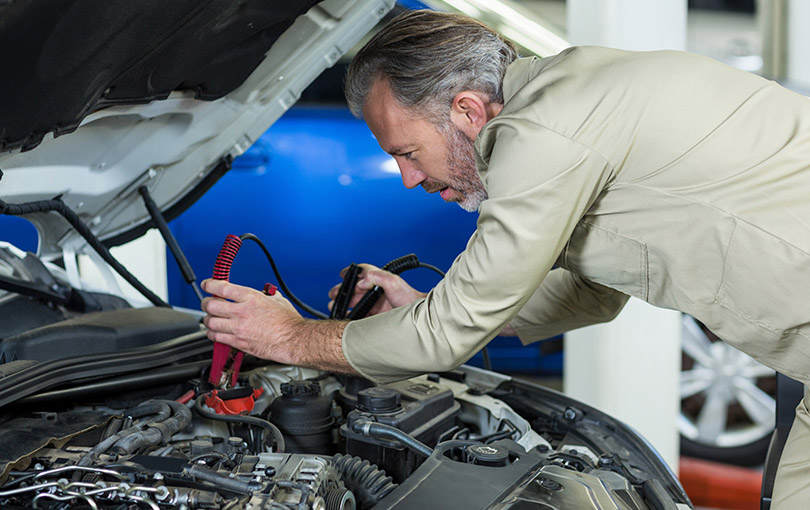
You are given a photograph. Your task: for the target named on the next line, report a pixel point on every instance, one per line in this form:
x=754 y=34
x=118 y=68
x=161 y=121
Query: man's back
x=700 y=175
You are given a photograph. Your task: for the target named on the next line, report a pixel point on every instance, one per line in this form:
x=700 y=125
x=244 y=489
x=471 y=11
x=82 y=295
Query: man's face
x=440 y=161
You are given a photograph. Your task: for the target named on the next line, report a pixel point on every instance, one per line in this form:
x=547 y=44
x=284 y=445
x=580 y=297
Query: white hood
x=176 y=147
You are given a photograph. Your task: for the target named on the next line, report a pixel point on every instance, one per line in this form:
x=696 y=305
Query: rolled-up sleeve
x=540 y=184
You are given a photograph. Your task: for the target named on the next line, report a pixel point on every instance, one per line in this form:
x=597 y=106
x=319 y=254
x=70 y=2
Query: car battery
x=423 y=410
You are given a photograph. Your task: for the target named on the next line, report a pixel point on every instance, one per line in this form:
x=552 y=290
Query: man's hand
x=269 y=327
x=397 y=291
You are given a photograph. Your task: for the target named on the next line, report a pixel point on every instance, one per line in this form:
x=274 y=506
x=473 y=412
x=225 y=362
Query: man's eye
x=407 y=155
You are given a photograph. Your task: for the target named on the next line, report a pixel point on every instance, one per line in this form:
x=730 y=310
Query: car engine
x=318 y=441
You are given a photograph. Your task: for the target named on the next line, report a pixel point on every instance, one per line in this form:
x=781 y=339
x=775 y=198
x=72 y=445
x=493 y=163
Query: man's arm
x=269 y=327
x=565 y=301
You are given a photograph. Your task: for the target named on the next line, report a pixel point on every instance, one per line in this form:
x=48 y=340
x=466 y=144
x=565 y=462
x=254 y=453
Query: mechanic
x=661 y=175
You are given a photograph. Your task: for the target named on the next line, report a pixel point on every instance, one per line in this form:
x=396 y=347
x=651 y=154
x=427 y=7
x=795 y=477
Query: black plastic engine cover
x=444 y=482
x=100 y=332
x=424 y=411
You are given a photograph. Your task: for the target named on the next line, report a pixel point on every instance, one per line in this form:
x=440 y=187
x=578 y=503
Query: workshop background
x=322 y=194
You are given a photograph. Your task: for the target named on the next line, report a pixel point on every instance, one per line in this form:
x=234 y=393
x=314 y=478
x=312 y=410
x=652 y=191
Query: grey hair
x=428 y=57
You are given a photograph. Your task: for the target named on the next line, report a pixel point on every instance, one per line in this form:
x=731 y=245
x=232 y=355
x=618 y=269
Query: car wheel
x=728 y=404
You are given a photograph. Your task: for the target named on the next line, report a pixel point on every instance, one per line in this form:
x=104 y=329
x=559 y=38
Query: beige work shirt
x=661 y=175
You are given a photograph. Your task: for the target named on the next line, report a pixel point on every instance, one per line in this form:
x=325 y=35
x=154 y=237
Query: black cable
x=345 y=292
x=221 y=457
x=432 y=268
x=488 y=438
x=370 y=298
x=286 y=290
x=56 y=205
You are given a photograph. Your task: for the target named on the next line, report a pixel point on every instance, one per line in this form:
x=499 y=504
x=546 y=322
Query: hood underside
x=132 y=53
x=99 y=99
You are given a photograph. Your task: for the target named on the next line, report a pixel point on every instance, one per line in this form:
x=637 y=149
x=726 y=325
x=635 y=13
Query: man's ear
x=470 y=111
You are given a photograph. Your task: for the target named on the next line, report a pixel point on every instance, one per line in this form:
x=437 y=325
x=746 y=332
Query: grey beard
x=463 y=175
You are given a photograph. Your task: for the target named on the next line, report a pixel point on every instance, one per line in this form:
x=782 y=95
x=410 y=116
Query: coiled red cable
x=222 y=266
x=222 y=352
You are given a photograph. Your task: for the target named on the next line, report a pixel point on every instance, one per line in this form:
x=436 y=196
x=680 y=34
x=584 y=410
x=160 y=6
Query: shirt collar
x=518 y=74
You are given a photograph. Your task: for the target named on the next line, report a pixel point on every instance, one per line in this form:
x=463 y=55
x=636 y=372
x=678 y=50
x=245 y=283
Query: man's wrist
x=319 y=344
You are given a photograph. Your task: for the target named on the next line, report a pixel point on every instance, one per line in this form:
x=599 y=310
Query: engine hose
x=156 y=433
x=382 y=431
x=160 y=409
x=370 y=298
x=246 y=420
x=368 y=483
x=200 y=472
x=56 y=205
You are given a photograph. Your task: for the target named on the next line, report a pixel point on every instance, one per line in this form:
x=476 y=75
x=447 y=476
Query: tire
x=728 y=405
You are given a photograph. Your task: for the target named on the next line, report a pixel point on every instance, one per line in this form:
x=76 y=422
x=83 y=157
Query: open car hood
x=101 y=99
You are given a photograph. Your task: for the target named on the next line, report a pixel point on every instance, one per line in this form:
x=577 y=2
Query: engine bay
x=315 y=440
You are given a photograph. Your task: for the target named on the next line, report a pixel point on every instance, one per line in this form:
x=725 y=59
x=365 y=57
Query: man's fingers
x=374 y=276
x=225 y=338
x=226 y=290
x=217 y=307
x=217 y=324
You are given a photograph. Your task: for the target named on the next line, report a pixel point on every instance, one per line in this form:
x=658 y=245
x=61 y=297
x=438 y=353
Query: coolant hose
x=368 y=483
x=382 y=431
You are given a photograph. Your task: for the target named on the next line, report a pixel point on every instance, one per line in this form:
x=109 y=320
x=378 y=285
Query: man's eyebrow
x=394 y=151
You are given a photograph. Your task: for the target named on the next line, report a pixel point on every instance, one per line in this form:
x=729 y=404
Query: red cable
x=186 y=397
x=222 y=266
x=222 y=271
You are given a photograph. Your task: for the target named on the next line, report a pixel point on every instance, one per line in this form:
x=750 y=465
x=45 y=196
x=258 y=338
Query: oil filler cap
x=378 y=400
x=487 y=455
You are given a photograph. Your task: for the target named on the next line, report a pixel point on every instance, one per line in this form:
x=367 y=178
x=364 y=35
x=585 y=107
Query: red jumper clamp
x=238 y=401
x=227 y=360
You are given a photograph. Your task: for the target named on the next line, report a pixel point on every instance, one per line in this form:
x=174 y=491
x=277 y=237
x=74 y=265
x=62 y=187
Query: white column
x=630 y=368
x=628 y=24
x=798 y=44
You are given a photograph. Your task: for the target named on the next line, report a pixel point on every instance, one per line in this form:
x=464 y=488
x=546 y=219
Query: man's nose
x=411 y=177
